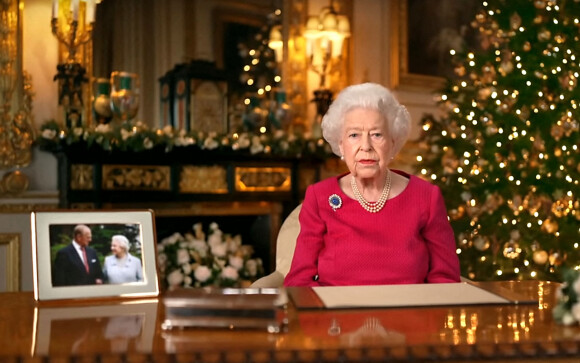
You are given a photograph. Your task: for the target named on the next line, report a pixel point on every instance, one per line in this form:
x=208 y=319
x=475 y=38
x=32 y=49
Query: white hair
x=122 y=240
x=370 y=96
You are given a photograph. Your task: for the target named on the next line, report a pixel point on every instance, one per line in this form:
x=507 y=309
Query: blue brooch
x=335 y=202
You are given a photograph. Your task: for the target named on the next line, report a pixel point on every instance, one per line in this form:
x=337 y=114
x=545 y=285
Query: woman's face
x=117 y=249
x=364 y=143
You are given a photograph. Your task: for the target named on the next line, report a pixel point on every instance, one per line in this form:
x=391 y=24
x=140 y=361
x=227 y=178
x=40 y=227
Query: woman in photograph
x=122 y=267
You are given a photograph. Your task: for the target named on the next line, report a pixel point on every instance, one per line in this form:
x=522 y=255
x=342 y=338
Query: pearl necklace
x=371 y=206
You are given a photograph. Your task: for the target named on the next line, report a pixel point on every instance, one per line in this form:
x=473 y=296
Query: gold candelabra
x=71 y=30
x=74 y=32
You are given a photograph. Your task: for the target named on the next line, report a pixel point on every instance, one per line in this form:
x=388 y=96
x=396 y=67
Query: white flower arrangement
x=137 y=137
x=567 y=309
x=221 y=260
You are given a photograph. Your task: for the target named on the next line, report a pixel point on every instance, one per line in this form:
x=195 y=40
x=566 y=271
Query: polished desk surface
x=112 y=331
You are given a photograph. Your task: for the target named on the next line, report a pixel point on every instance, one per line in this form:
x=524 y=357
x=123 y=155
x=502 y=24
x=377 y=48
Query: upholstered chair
x=285 y=244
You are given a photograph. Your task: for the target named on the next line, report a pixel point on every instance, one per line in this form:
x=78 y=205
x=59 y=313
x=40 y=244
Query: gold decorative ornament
x=261 y=179
x=16 y=126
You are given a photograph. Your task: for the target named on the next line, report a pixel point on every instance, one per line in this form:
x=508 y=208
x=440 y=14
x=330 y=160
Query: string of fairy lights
x=509 y=140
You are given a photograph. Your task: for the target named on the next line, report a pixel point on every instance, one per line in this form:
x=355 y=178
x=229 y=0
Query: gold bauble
x=481 y=243
x=540 y=4
x=515 y=21
x=540 y=257
x=460 y=71
x=527 y=46
x=544 y=35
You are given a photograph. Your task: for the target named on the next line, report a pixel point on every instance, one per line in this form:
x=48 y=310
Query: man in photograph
x=77 y=263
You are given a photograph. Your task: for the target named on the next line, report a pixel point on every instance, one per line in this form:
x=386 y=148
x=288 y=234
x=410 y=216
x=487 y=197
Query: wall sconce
x=325 y=34
x=73 y=30
x=276 y=42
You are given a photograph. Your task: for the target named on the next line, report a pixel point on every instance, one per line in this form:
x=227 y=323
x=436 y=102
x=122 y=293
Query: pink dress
x=409 y=241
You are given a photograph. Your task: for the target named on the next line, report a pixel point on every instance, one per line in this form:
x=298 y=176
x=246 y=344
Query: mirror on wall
x=151 y=37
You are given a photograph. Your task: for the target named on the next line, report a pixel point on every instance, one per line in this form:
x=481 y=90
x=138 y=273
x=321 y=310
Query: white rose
x=219 y=250
x=182 y=256
x=187 y=281
x=147 y=143
x=214 y=240
x=214 y=226
x=230 y=273
x=172 y=239
x=175 y=278
x=186 y=267
x=568 y=319
x=236 y=262
x=200 y=246
x=202 y=273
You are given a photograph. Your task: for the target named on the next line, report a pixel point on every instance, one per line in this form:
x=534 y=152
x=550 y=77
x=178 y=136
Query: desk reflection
x=79 y=330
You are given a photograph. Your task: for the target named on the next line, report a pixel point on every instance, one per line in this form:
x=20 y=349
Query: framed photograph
x=422 y=33
x=90 y=254
x=122 y=328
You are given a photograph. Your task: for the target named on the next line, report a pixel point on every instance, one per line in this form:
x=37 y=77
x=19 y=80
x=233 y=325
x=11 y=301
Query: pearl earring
x=341 y=157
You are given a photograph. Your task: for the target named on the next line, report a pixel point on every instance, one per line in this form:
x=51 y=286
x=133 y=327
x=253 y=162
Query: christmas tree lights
x=505 y=150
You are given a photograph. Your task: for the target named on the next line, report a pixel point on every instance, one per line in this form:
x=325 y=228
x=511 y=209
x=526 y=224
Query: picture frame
x=420 y=57
x=10 y=259
x=59 y=271
x=116 y=325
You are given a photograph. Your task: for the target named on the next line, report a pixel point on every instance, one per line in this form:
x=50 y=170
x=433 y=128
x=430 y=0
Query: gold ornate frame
x=400 y=78
x=16 y=94
x=11 y=243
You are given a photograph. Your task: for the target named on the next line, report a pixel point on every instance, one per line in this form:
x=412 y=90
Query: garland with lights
x=505 y=153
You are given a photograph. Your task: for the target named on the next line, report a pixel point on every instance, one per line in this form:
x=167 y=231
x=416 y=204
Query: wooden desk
x=132 y=332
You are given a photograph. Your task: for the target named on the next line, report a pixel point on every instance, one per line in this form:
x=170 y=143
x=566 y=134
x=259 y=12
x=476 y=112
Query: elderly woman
x=122 y=267
x=372 y=225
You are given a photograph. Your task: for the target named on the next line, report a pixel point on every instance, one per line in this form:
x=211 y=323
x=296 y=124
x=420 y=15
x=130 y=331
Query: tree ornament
x=555 y=258
x=511 y=250
x=544 y=35
x=505 y=67
x=562 y=207
x=515 y=21
x=484 y=93
x=460 y=70
x=550 y=226
x=540 y=4
x=481 y=243
x=527 y=46
x=540 y=257
x=488 y=73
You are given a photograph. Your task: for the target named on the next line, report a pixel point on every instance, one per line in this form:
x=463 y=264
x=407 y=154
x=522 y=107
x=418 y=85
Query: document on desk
x=337 y=297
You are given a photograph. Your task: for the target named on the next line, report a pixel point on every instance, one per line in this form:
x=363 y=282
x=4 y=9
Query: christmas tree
x=505 y=148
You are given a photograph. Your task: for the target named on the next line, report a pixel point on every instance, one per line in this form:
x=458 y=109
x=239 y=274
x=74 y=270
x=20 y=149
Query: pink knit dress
x=409 y=241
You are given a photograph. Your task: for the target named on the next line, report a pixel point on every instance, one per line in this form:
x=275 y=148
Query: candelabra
x=73 y=33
